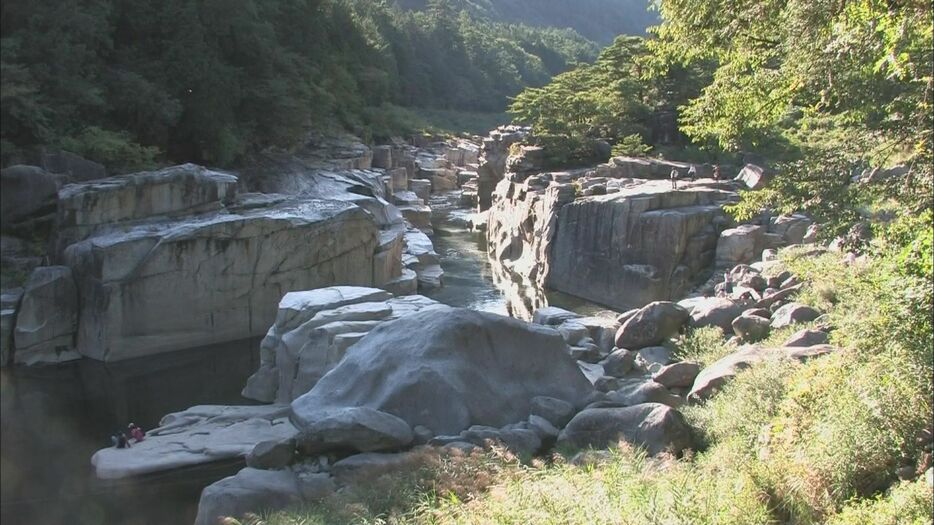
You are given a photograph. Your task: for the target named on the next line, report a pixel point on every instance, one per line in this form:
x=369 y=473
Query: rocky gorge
x=323 y=253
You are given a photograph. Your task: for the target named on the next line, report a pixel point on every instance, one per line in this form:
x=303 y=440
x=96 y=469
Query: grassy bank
x=818 y=442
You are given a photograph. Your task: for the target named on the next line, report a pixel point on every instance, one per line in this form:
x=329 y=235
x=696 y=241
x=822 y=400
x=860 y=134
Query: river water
x=55 y=418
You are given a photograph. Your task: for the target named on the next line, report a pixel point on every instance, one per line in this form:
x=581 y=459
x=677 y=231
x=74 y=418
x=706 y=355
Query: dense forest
x=598 y=20
x=823 y=91
x=128 y=82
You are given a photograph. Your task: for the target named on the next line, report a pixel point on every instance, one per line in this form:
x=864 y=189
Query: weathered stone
x=553 y=316
x=200 y=434
x=146 y=290
x=654 y=426
x=677 y=375
x=639 y=391
x=399 y=178
x=9 y=302
x=85 y=208
x=312 y=332
x=751 y=328
x=47 y=317
x=753 y=177
x=418 y=216
x=421 y=188
x=573 y=332
x=249 y=491
x=545 y=430
x=72 y=166
x=371 y=464
x=653 y=355
x=382 y=157
x=619 y=362
x=712 y=311
x=714 y=376
x=793 y=313
x=792 y=228
x=808 y=337
x=271 y=455
x=447 y=368
x=556 y=411
x=602 y=330
x=25 y=192
x=654 y=323
x=742 y=244
x=360 y=429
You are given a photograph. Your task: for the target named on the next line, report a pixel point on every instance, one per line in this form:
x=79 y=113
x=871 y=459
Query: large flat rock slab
x=201 y=434
x=175 y=191
x=165 y=286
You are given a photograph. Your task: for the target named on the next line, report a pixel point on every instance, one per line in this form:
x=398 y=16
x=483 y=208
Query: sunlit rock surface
x=200 y=434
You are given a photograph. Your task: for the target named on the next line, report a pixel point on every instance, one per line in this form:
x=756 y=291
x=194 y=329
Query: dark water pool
x=469 y=280
x=54 y=418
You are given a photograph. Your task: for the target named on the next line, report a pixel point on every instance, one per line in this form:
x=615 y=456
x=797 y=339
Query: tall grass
x=803 y=443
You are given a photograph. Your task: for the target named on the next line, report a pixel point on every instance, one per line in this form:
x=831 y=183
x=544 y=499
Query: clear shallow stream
x=55 y=418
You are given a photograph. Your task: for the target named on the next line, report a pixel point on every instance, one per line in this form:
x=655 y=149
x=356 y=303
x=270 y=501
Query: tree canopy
x=126 y=82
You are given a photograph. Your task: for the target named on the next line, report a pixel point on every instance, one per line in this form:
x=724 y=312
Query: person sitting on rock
x=122 y=441
x=692 y=172
x=136 y=432
x=674 y=178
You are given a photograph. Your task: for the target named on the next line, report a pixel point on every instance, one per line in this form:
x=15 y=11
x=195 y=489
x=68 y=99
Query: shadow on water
x=55 y=418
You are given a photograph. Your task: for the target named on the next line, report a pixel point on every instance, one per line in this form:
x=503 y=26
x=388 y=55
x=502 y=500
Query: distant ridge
x=598 y=20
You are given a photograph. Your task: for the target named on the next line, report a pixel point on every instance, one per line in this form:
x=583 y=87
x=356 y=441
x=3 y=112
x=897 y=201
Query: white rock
x=201 y=434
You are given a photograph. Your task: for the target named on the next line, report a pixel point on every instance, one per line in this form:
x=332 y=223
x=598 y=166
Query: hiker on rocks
x=716 y=172
x=136 y=432
x=727 y=284
x=674 y=178
x=692 y=172
x=121 y=440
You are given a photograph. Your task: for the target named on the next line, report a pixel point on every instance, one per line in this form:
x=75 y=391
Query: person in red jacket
x=136 y=432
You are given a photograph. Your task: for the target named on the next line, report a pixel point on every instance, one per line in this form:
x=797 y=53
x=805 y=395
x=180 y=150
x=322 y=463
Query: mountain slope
x=598 y=20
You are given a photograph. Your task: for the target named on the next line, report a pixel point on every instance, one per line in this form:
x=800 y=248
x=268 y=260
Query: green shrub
x=631 y=146
x=905 y=504
x=114 y=149
x=703 y=345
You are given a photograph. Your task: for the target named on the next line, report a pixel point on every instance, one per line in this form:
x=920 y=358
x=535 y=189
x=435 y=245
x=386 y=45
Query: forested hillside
x=598 y=20
x=821 y=92
x=127 y=82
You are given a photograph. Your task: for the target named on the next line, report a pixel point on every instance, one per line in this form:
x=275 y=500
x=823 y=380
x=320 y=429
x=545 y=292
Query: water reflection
x=471 y=281
x=54 y=419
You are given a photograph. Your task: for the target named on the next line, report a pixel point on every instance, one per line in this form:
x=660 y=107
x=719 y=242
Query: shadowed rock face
x=448 y=369
x=640 y=242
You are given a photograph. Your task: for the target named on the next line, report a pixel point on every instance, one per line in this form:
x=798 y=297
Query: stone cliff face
x=602 y=236
x=184 y=284
x=187 y=256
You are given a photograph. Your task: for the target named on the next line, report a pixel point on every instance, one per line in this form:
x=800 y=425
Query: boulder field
x=365 y=383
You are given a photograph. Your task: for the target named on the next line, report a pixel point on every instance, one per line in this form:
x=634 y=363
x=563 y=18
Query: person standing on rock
x=692 y=172
x=716 y=172
x=674 y=178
